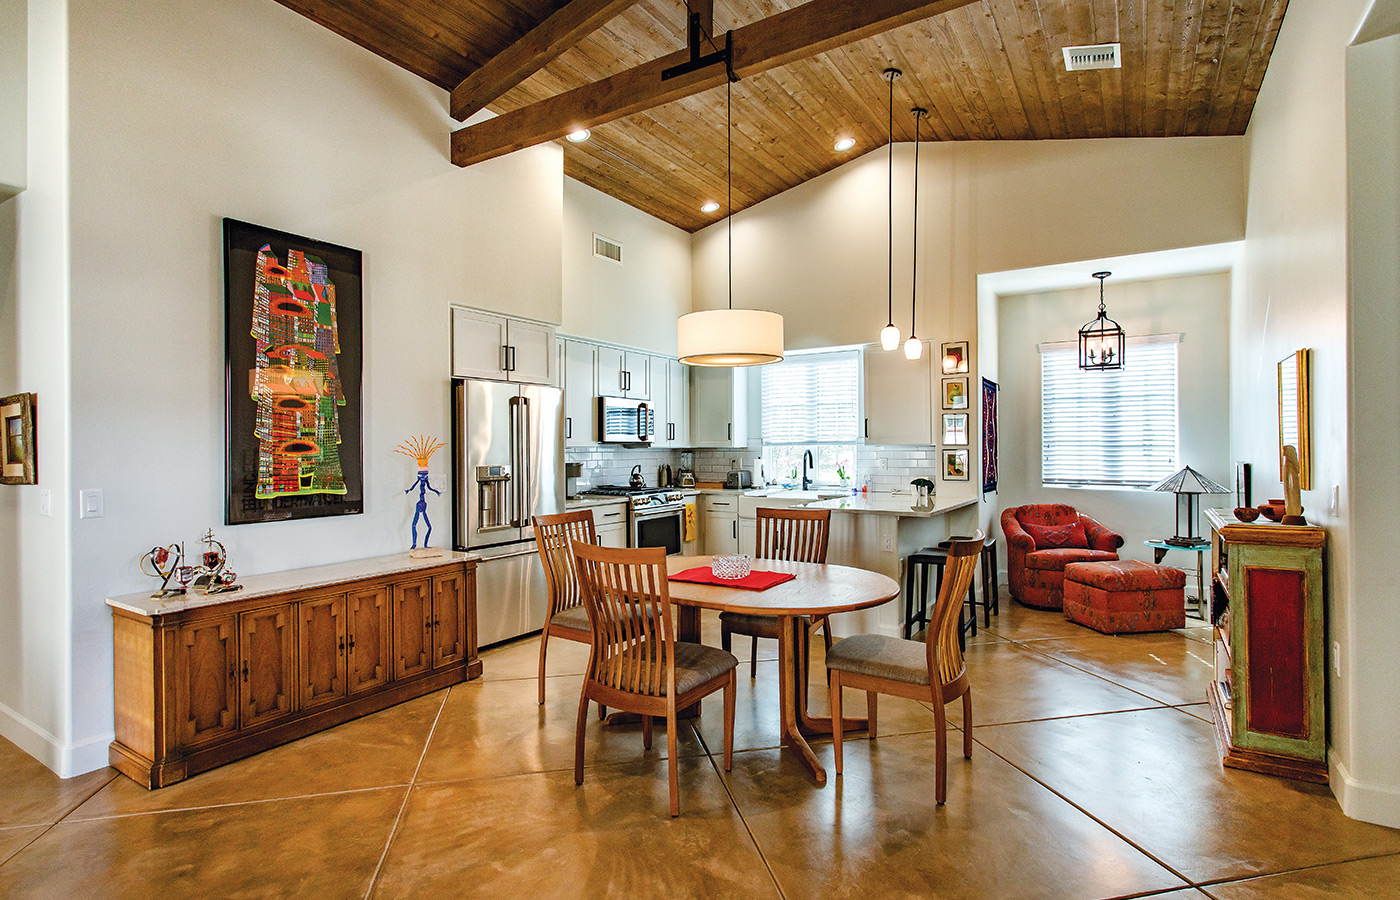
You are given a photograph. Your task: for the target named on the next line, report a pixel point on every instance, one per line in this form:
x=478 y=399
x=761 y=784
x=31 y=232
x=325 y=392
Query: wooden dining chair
x=931 y=670
x=636 y=664
x=795 y=535
x=566 y=617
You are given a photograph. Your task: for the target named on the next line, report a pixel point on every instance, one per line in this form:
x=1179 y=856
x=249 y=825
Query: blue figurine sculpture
x=421 y=449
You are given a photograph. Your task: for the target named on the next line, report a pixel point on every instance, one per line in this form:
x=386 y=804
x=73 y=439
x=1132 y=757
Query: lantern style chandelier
x=1101 y=341
x=730 y=337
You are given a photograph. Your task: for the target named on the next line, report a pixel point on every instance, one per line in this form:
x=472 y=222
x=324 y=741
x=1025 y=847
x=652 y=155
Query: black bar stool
x=916 y=575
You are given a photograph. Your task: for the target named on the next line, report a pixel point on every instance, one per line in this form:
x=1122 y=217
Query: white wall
x=34 y=550
x=187 y=112
x=1198 y=307
x=1296 y=297
x=13 y=96
x=818 y=253
x=635 y=303
x=1370 y=788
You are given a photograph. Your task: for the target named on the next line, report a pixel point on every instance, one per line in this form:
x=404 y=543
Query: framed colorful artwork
x=18 y=460
x=955 y=358
x=955 y=393
x=955 y=465
x=293 y=353
x=955 y=429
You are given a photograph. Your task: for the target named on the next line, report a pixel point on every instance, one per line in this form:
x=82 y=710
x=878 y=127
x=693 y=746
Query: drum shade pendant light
x=1101 y=341
x=730 y=337
x=889 y=335
x=914 y=348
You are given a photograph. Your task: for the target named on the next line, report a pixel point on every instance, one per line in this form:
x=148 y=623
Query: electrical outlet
x=881 y=463
x=45 y=502
x=1337 y=659
x=887 y=543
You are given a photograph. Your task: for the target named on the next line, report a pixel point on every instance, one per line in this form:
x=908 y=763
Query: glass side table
x=1159 y=552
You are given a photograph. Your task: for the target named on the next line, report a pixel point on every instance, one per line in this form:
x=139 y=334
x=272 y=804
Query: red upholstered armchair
x=1041 y=540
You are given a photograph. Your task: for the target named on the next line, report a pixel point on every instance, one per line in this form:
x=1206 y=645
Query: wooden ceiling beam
x=812 y=28
x=539 y=47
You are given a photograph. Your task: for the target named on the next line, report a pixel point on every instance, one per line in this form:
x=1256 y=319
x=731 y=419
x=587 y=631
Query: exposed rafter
x=812 y=28
x=537 y=49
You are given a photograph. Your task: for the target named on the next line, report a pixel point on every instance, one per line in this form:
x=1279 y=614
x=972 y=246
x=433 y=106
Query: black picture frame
x=308 y=375
x=1244 y=484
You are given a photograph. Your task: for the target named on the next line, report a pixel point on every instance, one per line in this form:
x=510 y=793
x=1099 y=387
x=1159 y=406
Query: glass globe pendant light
x=889 y=335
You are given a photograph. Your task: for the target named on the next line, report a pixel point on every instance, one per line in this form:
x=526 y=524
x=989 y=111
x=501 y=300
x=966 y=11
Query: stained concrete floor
x=1094 y=775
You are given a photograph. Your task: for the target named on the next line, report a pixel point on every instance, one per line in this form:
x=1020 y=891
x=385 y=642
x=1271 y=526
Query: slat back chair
x=879 y=664
x=795 y=535
x=636 y=664
x=566 y=617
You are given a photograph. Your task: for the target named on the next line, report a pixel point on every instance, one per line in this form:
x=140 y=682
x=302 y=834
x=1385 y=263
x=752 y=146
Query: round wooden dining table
x=816 y=590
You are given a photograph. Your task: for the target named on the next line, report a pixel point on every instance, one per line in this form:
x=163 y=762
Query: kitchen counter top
x=892 y=505
x=281 y=582
x=590 y=502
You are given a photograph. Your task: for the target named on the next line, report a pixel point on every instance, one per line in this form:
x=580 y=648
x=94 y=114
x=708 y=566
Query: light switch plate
x=90 y=504
x=45 y=502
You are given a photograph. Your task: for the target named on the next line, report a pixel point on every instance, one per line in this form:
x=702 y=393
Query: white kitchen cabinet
x=722 y=410
x=899 y=397
x=719 y=523
x=610 y=523
x=577 y=363
x=487 y=345
x=677 y=418
x=624 y=373
x=748 y=536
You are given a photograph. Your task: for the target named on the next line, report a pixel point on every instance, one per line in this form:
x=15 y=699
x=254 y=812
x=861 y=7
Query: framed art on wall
x=955 y=465
x=955 y=429
x=18 y=460
x=955 y=393
x=292 y=309
x=955 y=358
x=989 y=436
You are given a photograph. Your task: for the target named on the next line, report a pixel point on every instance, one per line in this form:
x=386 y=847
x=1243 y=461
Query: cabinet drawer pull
x=352 y=643
x=245 y=673
x=342 y=646
x=568 y=427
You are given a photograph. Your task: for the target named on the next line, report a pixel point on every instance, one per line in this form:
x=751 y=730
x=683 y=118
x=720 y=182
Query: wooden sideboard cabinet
x=1269 y=697
x=204 y=680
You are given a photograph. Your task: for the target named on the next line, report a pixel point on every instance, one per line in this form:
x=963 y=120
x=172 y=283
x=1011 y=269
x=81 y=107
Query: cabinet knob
x=352 y=643
x=342 y=646
x=245 y=673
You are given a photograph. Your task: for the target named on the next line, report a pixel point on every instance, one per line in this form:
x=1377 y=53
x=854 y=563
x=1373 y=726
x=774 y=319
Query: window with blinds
x=811 y=401
x=1116 y=428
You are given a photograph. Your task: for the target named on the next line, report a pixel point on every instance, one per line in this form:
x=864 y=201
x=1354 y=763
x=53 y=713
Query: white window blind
x=1115 y=428
x=812 y=398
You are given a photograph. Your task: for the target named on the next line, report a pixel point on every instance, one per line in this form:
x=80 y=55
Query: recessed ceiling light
x=845 y=144
x=710 y=207
x=578 y=137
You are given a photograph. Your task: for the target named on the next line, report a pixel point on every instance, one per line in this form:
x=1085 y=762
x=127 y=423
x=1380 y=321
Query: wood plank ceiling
x=988 y=71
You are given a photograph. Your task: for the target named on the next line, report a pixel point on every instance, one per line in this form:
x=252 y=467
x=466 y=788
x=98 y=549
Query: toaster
x=742 y=479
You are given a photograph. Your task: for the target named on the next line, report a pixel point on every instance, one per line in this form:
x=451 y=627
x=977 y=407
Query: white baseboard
x=65 y=760
x=1375 y=803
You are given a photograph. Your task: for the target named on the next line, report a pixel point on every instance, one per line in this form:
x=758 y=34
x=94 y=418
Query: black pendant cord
x=892 y=73
x=729 y=166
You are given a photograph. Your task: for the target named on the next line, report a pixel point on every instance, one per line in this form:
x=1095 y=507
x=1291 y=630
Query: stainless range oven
x=655 y=517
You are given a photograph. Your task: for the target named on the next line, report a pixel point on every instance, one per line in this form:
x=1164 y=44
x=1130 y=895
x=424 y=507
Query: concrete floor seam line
x=734 y=801
x=1083 y=715
x=50 y=826
x=262 y=801
x=1107 y=680
x=79 y=805
x=1093 y=818
x=398 y=818
x=1221 y=882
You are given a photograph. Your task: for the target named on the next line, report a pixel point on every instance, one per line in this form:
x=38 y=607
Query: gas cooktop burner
x=620 y=490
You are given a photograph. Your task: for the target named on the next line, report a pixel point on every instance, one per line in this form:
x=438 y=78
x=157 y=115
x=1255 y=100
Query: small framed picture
x=955 y=393
x=17 y=457
x=955 y=464
x=955 y=429
x=955 y=358
x=1244 y=484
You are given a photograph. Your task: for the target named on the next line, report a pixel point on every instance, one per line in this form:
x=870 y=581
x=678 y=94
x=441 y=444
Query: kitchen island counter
x=892 y=505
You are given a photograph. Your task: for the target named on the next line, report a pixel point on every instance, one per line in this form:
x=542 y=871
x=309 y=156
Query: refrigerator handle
x=527 y=484
x=516 y=473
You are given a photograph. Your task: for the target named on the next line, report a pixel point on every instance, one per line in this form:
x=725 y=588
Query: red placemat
x=756 y=580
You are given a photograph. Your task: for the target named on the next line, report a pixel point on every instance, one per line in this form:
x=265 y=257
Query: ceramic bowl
x=733 y=566
x=1246 y=513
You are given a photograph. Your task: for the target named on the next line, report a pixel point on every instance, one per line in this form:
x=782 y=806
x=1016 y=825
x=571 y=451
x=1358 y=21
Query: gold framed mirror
x=1294 y=414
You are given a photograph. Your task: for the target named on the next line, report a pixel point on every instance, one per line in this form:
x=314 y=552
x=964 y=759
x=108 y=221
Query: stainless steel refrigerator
x=508 y=465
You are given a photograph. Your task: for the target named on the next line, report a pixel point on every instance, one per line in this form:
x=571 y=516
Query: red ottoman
x=1125 y=596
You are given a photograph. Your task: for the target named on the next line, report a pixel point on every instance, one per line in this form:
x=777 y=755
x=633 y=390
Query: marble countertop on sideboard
x=282 y=582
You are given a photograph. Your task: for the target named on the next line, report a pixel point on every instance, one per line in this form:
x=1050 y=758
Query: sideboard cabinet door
x=322 y=645
x=266 y=671
x=449 y=620
x=368 y=638
x=413 y=622
x=206 y=686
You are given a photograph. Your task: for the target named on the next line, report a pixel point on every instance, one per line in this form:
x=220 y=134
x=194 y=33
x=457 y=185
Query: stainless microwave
x=623 y=421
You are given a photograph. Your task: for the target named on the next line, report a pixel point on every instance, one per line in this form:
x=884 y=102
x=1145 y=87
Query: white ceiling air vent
x=607 y=248
x=1097 y=56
